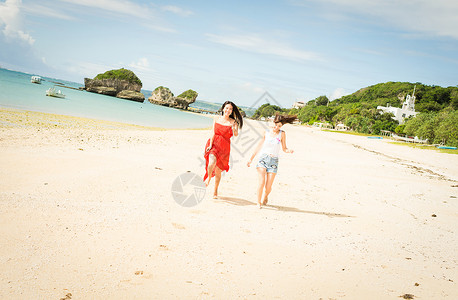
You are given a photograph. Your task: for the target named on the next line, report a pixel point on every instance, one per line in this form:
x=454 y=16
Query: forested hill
x=437 y=121
x=428 y=98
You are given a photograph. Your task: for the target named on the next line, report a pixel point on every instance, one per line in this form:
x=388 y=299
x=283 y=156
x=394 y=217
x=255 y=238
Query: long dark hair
x=236 y=115
x=283 y=119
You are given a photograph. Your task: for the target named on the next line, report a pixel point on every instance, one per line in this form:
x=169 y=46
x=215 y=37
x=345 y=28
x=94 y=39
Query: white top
x=271 y=144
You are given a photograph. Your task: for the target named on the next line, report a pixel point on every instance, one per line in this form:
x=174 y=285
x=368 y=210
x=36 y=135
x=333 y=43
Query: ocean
x=16 y=91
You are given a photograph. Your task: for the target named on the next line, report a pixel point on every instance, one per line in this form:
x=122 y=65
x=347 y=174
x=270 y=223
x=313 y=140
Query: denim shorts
x=270 y=163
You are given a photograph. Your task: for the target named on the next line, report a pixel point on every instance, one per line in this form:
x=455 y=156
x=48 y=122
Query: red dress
x=221 y=148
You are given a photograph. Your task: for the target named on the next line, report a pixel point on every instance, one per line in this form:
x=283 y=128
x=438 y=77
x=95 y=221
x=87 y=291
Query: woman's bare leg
x=269 y=182
x=261 y=183
x=210 y=168
x=217 y=180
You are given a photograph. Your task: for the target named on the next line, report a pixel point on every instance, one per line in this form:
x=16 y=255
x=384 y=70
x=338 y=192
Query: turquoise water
x=16 y=91
x=216 y=106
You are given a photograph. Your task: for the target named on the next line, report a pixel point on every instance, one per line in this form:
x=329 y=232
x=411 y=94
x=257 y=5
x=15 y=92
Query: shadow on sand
x=243 y=202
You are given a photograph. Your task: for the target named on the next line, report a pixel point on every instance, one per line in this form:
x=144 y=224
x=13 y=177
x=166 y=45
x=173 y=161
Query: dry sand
x=86 y=212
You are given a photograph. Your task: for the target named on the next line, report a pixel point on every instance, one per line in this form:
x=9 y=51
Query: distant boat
x=52 y=92
x=35 y=79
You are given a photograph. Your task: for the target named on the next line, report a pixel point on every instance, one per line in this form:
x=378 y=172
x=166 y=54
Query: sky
x=296 y=50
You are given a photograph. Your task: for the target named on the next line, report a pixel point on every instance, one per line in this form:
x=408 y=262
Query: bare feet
x=207 y=182
x=265 y=200
x=215 y=195
x=259 y=205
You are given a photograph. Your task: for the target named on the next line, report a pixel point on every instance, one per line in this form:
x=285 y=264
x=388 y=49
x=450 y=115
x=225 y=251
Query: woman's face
x=227 y=110
x=277 y=126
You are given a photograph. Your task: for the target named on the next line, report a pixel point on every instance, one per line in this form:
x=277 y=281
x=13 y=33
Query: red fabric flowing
x=221 y=148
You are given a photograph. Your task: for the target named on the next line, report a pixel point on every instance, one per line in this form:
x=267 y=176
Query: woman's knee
x=211 y=160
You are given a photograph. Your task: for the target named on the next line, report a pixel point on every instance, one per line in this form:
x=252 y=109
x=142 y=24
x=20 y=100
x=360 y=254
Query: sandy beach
x=87 y=212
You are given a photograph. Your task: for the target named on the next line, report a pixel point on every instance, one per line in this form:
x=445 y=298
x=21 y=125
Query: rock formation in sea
x=163 y=96
x=121 y=83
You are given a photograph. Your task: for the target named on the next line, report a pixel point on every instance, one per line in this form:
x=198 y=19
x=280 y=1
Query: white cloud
x=87 y=69
x=144 y=13
x=177 y=10
x=256 y=44
x=142 y=64
x=117 y=6
x=337 y=93
x=45 y=11
x=10 y=21
x=251 y=88
x=438 y=17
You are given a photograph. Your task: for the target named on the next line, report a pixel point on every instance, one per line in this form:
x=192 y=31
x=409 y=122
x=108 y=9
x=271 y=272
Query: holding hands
x=235 y=128
x=289 y=151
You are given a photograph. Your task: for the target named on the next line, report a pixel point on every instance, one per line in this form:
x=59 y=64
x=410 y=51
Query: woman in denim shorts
x=268 y=158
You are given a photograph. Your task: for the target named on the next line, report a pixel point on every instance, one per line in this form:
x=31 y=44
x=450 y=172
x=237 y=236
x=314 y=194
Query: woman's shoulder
x=217 y=119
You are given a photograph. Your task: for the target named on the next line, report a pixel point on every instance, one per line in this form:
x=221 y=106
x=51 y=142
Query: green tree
x=121 y=74
x=400 y=129
x=267 y=110
x=322 y=100
x=447 y=130
x=189 y=94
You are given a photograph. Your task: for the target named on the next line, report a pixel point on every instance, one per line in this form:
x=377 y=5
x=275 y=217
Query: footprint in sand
x=178 y=226
x=67 y=297
x=163 y=247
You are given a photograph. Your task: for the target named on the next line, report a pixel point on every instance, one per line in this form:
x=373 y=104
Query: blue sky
x=296 y=50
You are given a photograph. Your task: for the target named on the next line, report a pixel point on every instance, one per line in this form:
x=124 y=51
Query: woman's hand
x=235 y=128
x=249 y=163
x=208 y=148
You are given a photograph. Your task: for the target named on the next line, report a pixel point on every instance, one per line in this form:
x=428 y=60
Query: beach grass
x=349 y=132
x=427 y=147
x=412 y=145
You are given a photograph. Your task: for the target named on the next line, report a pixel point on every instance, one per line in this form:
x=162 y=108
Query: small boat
x=52 y=92
x=446 y=147
x=35 y=79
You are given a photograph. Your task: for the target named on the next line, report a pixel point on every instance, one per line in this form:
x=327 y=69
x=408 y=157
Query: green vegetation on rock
x=121 y=74
x=189 y=94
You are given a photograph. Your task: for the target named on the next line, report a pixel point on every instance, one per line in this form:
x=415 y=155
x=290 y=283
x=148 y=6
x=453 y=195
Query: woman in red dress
x=218 y=147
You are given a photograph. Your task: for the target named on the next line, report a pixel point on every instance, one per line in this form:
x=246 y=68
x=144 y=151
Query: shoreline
x=12 y=117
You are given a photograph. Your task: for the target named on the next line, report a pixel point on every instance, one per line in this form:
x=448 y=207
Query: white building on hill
x=407 y=110
x=298 y=104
